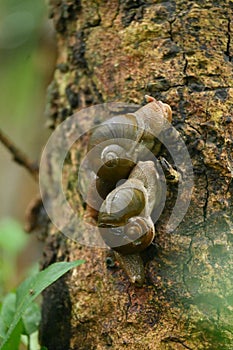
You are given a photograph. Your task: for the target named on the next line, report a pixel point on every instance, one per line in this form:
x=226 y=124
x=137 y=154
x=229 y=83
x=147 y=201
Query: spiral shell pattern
x=124 y=217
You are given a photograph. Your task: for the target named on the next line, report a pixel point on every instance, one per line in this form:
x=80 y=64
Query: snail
x=124 y=219
x=123 y=211
x=112 y=155
x=116 y=145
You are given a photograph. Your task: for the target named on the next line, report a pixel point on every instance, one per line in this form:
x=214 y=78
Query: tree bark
x=180 y=52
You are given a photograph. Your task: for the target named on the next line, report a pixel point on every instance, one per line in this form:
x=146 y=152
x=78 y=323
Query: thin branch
x=19 y=156
x=29 y=342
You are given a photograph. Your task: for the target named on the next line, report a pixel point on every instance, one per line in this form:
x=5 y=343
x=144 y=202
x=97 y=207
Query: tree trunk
x=180 y=52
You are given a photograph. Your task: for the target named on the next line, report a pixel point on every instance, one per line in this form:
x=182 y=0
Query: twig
x=29 y=342
x=19 y=156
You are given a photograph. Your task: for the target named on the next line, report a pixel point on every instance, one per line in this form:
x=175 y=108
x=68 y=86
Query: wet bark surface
x=181 y=53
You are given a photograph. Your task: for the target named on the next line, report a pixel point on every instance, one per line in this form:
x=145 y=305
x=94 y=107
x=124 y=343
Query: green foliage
x=31 y=319
x=12 y=241
x=12 y=236
x=21 y=25
x=19 y=313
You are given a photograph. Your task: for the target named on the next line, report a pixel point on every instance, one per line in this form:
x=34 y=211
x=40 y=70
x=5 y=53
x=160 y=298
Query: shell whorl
x=124 y=215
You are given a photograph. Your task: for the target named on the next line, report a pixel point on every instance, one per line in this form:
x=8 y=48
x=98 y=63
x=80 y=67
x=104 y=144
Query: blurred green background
x=27 y=60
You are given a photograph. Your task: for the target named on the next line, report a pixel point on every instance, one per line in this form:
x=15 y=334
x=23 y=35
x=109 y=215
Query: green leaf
x=32 y=287
x=12 y=343
x=7 y=312
x=2 y=330
x=12 y=236
x=31 y=319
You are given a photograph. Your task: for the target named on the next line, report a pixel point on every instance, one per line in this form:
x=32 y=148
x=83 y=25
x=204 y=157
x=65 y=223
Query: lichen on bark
x=181 y=53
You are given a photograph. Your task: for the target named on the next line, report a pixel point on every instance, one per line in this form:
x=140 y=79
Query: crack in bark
x=207 y=197
x=185 y=63
x=204 y=88
x=193 y=127
x=176 y=340
x=228 y=49
x=170 y=31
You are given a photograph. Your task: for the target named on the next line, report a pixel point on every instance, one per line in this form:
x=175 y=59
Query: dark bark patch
x=55 y=330
x=132 y=10
x=107 y=339
x=63 y=67
x=171 y=51
x=78 y=51
x=221 y=94
x=194 y=83
x=159 y=84
x=67 y=12
x=72 y=96
x=228 y=119
x=164 y=12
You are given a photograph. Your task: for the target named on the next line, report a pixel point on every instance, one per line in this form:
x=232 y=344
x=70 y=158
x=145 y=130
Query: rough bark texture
x=181 y=53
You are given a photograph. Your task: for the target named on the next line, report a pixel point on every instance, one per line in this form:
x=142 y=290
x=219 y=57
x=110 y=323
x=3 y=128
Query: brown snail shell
x=134 y=237
x=113 y=155
x=122 y=203
x=111 y=160
x=116 y=164
x=124 y=217
x=147 y=173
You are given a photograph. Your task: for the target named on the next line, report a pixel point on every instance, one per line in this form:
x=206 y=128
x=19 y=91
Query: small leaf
x=32 y=287
x=7 y=312
x=31 y=319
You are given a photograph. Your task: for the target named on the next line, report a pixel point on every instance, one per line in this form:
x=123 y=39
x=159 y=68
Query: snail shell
x=113 y=155
x=147 y=173
x=132 y=238
x=122 y=203
x=124 y=217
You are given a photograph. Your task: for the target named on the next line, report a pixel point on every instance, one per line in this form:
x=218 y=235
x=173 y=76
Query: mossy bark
x=181 y=53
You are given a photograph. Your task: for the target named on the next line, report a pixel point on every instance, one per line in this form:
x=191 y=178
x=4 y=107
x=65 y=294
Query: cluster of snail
x=127 y=186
